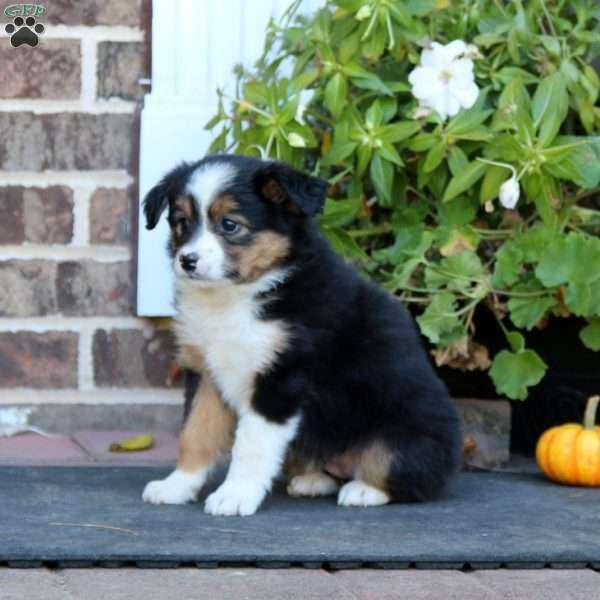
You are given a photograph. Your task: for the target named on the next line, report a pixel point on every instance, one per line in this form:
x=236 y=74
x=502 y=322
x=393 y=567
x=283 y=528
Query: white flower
x=509 y=193
x=296 y=140
x=444 y=81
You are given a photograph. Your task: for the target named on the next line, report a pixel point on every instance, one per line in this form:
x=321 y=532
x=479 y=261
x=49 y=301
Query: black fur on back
x=357 y=372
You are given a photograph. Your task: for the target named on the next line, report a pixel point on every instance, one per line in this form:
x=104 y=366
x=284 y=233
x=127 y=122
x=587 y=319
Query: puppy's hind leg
x=312 y=483
x=207 y=434
x=369 y=470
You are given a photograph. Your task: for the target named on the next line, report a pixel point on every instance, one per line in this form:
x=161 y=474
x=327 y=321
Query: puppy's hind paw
x=359 y=493
x=312 y=484
x=177 y=488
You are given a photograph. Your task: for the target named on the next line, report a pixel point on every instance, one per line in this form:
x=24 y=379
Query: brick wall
x=68 y=159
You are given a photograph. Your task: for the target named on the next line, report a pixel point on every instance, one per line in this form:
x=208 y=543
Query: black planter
x=573 y=375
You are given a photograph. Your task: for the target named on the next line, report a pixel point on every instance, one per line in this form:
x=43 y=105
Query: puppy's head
x=232 y=218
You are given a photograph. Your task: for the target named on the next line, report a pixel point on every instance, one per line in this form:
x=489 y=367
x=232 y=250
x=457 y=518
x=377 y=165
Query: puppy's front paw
x=312 y=484
x=232 y=499
x=359 y=493
x=177 y=488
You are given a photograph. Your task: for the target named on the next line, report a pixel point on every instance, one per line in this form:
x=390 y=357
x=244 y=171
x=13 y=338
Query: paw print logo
x=24 y=31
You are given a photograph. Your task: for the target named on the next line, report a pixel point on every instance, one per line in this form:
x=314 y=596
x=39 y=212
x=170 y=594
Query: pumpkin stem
x=589 y=418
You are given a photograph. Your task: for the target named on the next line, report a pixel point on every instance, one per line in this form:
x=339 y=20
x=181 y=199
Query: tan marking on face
x=208 y=431
x=266 y=252
x=371 y=465
x=221 y=206
x=186 y=205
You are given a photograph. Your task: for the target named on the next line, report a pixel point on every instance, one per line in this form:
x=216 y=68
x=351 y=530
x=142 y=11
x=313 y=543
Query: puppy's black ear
x=302 y=194
x=158 y=197
x=155 y=203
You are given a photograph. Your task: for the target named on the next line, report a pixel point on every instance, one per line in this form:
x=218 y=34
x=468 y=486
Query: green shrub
x=417 y=197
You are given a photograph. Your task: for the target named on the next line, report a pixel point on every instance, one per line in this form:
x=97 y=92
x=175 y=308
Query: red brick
x=38 y=360
x=28 y=288
x=12 y=222
x=120 y=65
x=129 y=358
x=110 y=217
x=51 y=70
x=65 y=141
x=89 y=288
x=94 y=12
x=36 y=215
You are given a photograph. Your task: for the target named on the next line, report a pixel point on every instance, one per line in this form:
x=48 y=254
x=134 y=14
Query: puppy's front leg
x=257 y=456
x=206 y=435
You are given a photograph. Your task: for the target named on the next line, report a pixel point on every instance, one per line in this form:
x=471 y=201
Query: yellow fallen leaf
x=136 y=443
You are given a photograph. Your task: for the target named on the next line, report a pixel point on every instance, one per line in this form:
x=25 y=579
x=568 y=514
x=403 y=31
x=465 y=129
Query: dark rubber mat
x=81 y=516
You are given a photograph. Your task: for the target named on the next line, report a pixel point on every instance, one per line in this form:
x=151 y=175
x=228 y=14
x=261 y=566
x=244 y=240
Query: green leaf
x=527 y=312
x=509 y=263
x=457 y=272
x=492 y=180
x=590 y=335
x=390 y=153
x=573 y=158
x=464 y=180
x=583 y=298
x=514 y=372
x=338 y=153
x=336 y=91
x=399 y=131
x=434 y=157
x=439 y=318
x=382 y=176
x=338 y=213
x=343 y=243
x=374 y=115
x=457 y=160
x=549 y=107
x=574 y=257
x=516 y=340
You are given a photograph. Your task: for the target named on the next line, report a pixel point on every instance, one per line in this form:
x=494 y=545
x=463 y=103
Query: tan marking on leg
x=374 y=465
x=190 y=357
x=370 y=464
x=267 y=251
x=208 y=431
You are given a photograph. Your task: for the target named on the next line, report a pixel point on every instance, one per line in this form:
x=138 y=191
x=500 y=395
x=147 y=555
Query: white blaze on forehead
x=207 y=182
x=204 y=186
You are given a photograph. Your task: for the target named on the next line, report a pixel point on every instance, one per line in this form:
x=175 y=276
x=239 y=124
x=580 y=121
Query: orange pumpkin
x=570 y=453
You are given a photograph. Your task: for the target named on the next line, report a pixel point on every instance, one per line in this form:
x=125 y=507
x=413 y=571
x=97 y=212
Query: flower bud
x=509 y=193
x=364 y=12
x=296 y=140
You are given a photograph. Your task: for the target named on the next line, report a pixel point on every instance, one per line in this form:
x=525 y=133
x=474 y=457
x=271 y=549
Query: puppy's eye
x=229 y=227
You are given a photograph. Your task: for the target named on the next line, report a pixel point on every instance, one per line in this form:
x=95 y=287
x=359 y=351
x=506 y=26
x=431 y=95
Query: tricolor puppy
x=307 y=368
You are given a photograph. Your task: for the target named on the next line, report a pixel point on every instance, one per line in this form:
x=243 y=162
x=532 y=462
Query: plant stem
x=519 y=294
x=589 y=418
x=368 y=231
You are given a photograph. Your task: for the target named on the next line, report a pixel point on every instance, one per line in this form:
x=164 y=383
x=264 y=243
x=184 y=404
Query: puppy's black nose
x=188 y=261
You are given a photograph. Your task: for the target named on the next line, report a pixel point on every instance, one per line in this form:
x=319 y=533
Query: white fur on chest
x=224 y=324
